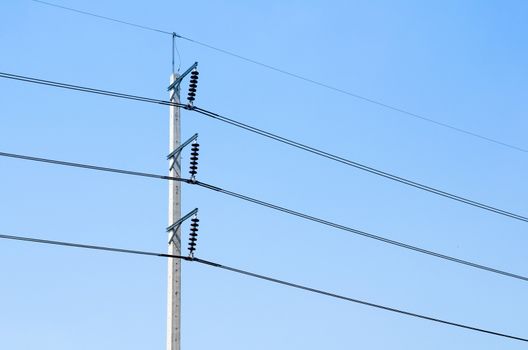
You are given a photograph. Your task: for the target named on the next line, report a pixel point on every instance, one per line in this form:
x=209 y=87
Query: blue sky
x=460 y=63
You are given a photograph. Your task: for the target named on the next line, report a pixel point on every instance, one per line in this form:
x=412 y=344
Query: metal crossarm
x=178 y=80
x=178 y=150
x=177 y=224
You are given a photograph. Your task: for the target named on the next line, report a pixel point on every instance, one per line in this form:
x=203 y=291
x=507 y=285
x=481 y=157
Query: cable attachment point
x=193 y=236
x=195 y=148
x=193 y=84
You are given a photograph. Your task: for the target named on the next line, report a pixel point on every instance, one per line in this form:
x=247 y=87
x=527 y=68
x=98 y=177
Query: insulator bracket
x=178 y=223
x=174 y=154
x=176 y=83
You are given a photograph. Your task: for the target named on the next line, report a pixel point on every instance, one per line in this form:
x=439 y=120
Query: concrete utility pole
x=174 y=268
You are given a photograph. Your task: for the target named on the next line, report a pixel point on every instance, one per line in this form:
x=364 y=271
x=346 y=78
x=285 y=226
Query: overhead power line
x=89 y=90
x=274 y=137
x=266 y=278
x=359 y=166
x=298 y=77
x=91 y=167
x=88 y=246
x=274 y=207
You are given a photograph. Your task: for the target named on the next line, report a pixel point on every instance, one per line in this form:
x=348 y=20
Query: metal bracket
x=174 y=154
x=178 y=223
x=177 y=81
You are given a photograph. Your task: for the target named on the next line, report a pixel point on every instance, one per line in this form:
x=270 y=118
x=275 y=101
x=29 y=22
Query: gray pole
x=174 y=268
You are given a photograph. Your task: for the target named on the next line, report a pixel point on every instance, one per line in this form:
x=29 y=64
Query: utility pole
x=174 y=265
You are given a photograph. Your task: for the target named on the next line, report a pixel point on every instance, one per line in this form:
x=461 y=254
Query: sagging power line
x=295 y=76
x=268 y=279
x=274 y=207
x=277 y=138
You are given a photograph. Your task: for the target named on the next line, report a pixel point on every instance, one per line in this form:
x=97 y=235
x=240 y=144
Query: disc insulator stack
x=193 y=236
x=192 y=86
x=195 y=148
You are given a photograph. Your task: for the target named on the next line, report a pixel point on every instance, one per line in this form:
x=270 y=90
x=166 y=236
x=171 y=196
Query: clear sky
x=458 y=62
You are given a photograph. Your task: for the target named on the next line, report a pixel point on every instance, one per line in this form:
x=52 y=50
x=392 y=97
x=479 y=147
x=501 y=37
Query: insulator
x=193 y=168
x=193 y=84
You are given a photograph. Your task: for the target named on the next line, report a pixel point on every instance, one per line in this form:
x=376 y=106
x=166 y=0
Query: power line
x=358 y=301
x=91 y=167
x=269 y=279
x=277 y=138
x=87 y=246
x=299 y=77
x=89 y=90
x=274 y=207
x=359 y=232
x=359 y=166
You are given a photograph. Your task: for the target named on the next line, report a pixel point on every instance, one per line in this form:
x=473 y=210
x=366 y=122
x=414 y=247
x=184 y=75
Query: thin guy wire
x=103 y=17
x=305 y=79
x=276 y=138
x=175 y=48
x=274 y=207
x=265 y=278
